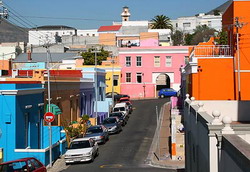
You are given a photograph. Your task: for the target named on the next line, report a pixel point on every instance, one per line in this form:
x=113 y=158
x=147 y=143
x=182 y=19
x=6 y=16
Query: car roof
x=22 y=159
x=81 y=139
x=120 y=104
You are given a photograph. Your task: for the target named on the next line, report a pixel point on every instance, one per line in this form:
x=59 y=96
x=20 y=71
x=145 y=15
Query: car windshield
x=79 y=144
x=94 y=130
x=14 y=166
x=124 y=100
x=109 y=121
x=117 y=109
x=116 y=114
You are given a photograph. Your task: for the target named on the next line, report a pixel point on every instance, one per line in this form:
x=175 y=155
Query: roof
x=109 y=28
x=42 y=57
x=54 y=27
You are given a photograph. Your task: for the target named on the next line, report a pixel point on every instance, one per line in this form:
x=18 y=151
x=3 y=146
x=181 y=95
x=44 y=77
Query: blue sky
x=103 y=12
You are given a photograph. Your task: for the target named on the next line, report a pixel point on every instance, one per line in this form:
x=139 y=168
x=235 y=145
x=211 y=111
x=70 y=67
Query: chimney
x=29 y=56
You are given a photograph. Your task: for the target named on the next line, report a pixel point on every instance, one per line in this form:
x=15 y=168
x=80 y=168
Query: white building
x=89 y=32
x=39 y=35
x=217 y=135
x=188 y=24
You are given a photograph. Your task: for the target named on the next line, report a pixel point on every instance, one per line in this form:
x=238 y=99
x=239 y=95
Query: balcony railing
x=211 y=51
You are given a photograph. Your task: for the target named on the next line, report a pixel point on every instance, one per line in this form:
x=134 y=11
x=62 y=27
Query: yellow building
x=111 y=70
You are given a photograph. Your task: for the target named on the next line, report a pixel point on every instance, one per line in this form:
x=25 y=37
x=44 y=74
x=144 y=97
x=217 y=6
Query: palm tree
x=161 y=22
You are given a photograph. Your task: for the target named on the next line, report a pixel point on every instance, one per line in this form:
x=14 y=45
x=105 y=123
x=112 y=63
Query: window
x=176 y=24
x=115 y=80
x=93 y=35
x=157 y=61
x=168 y=61
x=128 y=61
x=139 y=77
x=128 y=77
x=187 y=24
x=186 y=59
x=209 y=24
x=138 y=61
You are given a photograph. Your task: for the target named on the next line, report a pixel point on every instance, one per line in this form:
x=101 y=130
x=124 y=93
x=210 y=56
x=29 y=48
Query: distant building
x=188 y=24
x=53 y=34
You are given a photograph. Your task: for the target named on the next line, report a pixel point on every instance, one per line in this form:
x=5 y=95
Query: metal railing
x=211 y=51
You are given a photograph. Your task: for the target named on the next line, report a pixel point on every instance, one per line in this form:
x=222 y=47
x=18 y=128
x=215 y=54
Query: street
x=128 y=150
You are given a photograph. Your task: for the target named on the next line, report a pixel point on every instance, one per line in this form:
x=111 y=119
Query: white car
x=81 y=150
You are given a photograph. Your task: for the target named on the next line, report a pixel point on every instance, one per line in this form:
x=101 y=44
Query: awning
x=54 y=109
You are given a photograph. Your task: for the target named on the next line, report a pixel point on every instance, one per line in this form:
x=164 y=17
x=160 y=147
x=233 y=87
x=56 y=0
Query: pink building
x=145 y=70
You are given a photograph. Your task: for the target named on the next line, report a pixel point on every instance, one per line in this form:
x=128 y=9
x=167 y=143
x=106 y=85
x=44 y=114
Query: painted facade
x=103 y=104
x=145 y=70
x=23 y=133
x=210 y=63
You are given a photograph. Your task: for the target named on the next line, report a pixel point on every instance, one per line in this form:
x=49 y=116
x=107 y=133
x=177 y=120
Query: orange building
x=212 y=72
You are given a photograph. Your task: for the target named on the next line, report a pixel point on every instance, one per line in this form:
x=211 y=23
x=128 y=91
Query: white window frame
x=157 y=63
x=127 y=77
x=168 y=61
x=128 y=62
x=139 y=61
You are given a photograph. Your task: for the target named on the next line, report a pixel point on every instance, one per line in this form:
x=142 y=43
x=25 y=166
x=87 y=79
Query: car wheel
x=97 y=152
x=66 y=163
x=162 y=96
x=92 y=158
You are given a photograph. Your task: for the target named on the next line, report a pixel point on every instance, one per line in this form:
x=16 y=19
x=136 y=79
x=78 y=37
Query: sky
x=91 y=14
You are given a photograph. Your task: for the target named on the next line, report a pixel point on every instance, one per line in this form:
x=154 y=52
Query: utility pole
x=49 y=98
x=238 y=25
x=113 y=81
x=3 y=12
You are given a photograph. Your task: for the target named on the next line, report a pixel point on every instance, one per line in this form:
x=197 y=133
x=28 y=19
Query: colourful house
x=221 y=72
x=145 y=70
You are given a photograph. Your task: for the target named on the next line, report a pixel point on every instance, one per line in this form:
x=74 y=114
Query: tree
x=89 y=57
x=177 y=38
x=188 y=38
x=161 y=22
x=202 y=34
x=222 y=38
x=216 y=12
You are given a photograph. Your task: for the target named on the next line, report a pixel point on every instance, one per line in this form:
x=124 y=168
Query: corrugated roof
x=222 y=8
x=42 y=57
x=109 y=28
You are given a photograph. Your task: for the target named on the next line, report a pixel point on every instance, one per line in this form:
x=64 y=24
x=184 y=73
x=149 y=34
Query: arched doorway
x=162 y=81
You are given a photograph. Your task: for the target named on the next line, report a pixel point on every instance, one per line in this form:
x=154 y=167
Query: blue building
x=22 y=129
x=103 y=104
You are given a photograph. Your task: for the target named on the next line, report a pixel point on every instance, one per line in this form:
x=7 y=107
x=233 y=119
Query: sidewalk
x=159 y=154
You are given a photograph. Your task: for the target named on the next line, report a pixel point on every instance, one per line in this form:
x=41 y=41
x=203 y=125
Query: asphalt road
x=128 y=150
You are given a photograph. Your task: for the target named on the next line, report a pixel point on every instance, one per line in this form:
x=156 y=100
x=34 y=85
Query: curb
x=149 y=160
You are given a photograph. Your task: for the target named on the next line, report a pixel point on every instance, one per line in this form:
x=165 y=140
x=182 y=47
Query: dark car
x=112 y=124
x=98 y=132
x=122 y=117
x=117 y=96
x=24 y=164
x=167 y=92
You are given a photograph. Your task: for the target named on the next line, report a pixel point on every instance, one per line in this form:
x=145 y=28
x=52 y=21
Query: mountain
x=12 y=33
x=222 y=8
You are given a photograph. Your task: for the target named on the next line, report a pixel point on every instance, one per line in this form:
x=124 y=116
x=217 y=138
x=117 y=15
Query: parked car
x=122 y=117
x=98 y=132
x=121 y=107
x=81 y=150
x=24 y=164
x=117 y=96
x=124 y=99
x=167 y=92
x=112 y=124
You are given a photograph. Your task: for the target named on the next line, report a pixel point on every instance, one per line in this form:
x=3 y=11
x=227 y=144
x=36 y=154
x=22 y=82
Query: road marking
x=111 y=166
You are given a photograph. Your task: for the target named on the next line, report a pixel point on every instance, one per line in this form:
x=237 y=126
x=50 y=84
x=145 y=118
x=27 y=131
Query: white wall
x=90 y=32
x=39 y=37
x=238 y=111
